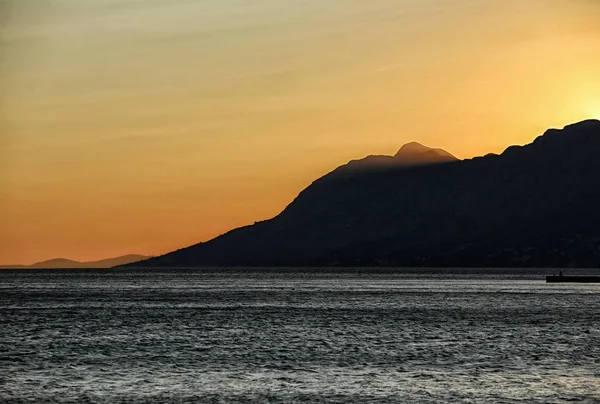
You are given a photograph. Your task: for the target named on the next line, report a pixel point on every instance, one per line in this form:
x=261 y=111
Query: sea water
x=345 y=336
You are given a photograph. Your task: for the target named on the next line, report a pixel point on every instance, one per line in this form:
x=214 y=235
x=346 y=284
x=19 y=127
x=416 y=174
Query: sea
x=355 y=335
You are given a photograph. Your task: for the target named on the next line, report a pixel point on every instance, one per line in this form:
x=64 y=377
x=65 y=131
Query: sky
x=143 y=126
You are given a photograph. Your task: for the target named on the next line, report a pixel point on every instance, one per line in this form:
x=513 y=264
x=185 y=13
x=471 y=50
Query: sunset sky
x=142 y=126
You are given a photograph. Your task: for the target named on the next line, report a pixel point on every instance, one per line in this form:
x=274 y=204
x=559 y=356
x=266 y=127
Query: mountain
x=64 y=263
x=57 y=263
x=416 y=153
x=411 y=154
x=536 y=205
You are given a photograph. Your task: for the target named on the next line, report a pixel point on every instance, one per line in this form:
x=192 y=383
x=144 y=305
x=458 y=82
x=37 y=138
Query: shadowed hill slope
x=535 y=205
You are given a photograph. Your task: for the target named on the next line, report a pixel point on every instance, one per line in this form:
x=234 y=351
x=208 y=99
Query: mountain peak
x=415 y=152
x=413 y=146
x=410 y=155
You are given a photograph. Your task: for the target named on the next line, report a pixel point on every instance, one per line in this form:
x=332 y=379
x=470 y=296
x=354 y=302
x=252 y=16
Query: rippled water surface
x=281 y=336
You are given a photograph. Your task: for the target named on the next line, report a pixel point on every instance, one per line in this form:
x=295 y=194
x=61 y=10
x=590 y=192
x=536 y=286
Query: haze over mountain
x=67 y=263
x=411 y=154
x=533 y=205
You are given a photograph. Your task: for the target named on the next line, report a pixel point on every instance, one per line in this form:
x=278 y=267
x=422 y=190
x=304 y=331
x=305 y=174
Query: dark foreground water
x=285 y=336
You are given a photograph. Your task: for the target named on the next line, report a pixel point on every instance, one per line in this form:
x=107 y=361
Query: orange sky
x=141 y=126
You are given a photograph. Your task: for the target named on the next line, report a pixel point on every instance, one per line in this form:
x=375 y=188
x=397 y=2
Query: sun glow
x=593 y=110
x=586 y=93
x=141 y=127
x=589 y=107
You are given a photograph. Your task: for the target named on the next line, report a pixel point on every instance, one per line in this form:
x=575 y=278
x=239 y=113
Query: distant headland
x=67 y=263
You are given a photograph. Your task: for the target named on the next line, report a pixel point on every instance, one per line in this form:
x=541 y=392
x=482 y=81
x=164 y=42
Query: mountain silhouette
x=536 y=205
x=416 y=153
x=64 y=263
x=411 y=154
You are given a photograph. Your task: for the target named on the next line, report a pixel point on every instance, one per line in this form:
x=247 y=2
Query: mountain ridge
x=409 y=155
x=415 y=149
x=532 y=205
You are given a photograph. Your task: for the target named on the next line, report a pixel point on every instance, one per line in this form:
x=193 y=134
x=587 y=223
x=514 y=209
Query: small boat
x=572 y=279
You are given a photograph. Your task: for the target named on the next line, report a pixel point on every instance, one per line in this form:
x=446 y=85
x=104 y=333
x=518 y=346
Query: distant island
x=66 y=263
x=536 y=205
